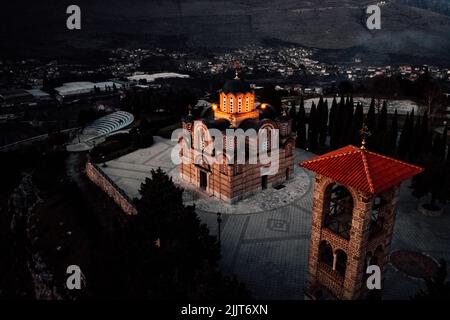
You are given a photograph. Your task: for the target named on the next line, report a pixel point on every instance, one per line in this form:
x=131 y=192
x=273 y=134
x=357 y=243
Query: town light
x=263 y=106
x=214 y=106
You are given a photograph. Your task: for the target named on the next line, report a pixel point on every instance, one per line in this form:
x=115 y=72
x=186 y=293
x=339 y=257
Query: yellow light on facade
x=214 y=106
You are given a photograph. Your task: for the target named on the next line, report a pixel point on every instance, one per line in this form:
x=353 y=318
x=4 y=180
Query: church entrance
x=264 y=182
x=203 y=180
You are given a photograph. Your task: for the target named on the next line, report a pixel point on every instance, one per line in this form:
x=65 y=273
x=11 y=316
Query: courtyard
x=265 y=238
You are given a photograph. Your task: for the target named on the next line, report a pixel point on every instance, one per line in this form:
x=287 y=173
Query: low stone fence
x=97 y=176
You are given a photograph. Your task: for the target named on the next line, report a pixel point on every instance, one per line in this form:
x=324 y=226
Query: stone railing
x=330 y=279
x=97 y=176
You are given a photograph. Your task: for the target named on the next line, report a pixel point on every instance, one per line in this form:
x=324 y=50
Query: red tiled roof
x=362 y=169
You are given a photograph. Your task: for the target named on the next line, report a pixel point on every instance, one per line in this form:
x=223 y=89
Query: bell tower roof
x=362 y=169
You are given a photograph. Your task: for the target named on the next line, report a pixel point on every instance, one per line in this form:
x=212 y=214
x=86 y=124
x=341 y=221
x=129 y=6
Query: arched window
x=231 y=105
x=230 y=143
x=266 y=136
x=338 y=210
x=377 y=258
x=224 y=104
x=326 y=253
x=247 y=104
x=341 y=262
x=377 y=220
x=240 y=104
x=202 y=140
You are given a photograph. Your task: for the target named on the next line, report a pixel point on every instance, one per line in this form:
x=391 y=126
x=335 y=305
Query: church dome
x=236 y=86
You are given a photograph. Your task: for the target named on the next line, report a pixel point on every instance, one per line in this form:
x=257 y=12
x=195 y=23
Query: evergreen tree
x=312 y=128
x=293 y=115
x=410 y=130
x=324 y=124
x=393 y=134
x=357 y=124
x=415 y=148
x=440 y=144
x=371 y=118
x=347 y=124
x=433 y=181
x=444 y=142
x=319 y=117
x=331 y=120
x=404 y=141
x=425 y=134
x=171 y=254
x=436 y=147
x=301 y=126
x=339 y=119
x=381 y=133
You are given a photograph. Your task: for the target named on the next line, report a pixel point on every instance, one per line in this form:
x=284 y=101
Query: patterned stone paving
x=414 y=264
x=265 y=242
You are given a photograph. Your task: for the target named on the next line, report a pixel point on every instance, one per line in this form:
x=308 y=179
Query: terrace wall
x=97 y=176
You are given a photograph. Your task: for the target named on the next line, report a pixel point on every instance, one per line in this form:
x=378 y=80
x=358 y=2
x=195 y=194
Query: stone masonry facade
x=360 y=248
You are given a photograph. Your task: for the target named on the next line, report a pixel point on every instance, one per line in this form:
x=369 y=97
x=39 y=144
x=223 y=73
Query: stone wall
x=97 y=176
x=231 y=186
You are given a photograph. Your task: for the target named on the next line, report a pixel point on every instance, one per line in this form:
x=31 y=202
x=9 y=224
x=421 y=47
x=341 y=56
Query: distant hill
x=439 y=6
x=408 y=33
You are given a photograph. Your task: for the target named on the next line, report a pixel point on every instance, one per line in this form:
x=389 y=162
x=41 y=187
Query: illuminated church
x=237 y=109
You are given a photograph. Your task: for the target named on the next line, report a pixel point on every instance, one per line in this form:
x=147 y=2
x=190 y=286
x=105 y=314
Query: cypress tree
x=437 y=147
x=443 y=149
x=357 y=124
x=403 y=143
x=331 y=119
x=319 y=116
x=337 y=125
x=371 y=119
x=425 y=135
x=393 y=134
x=416 y=140
x=301 y=126
x=312 y=128
x=347 y=127
x=411 y=123
x=324 y=124
x=293 y=115
x=381 y=133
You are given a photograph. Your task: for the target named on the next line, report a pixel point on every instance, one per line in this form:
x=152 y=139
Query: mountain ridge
x=333 y=25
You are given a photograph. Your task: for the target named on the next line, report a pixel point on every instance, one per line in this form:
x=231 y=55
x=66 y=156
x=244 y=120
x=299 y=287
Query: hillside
x=408 y=33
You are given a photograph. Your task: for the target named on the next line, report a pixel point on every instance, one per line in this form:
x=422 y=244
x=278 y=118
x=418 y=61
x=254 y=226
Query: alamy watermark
x=373 y=282
x=73 y=22
x=374 y=20
x=75 y=278
x=211 y=146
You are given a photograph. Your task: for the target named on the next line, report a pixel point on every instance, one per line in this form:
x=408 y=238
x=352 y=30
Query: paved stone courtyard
x=265 y=238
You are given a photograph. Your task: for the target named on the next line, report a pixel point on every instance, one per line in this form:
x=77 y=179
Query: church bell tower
x=353 y=215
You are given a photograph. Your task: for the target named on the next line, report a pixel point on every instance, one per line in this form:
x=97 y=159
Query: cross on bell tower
x=365 y=133
x=353 y=215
